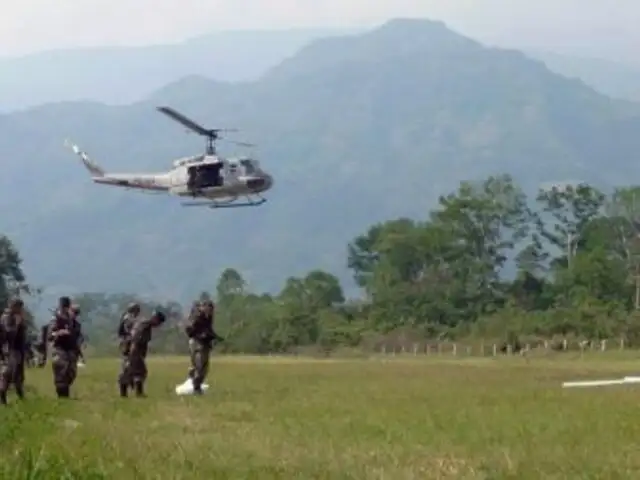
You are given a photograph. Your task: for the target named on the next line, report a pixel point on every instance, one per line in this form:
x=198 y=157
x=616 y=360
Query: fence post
x=455 y=349
x=622 y=344
x=495 y=350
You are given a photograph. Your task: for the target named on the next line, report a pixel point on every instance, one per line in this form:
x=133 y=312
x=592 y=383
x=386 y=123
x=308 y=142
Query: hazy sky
x=31 y=25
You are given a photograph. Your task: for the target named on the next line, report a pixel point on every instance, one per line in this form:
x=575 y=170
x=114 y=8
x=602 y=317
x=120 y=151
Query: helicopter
x=210 y=179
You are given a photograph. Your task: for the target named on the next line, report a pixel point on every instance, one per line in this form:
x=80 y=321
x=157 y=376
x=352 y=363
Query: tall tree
x=12 y=278
x=566 y=212
x=230 y=285
x=487 y=219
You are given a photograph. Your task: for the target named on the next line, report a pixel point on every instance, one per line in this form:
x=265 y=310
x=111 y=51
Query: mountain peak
x=399 y=37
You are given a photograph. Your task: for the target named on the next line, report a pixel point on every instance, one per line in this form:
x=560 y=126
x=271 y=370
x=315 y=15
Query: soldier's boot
x=62 y=392
x=197 y=387
x=124 y=390
x=139 y=386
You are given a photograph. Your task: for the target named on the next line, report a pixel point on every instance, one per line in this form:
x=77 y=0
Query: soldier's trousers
x=133 y=370
x=199 y=363
x=12 y=372
x=65 y=369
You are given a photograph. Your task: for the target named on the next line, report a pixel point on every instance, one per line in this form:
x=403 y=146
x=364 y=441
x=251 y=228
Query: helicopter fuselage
x=199 y=176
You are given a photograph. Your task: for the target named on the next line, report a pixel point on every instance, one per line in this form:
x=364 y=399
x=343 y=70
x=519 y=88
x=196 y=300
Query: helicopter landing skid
x=214 y=204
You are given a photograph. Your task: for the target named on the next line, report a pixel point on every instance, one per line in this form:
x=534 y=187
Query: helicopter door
x=204 y=176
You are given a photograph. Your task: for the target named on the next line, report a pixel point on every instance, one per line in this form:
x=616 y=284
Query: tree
x=566 y=212
x=12 y=278
x=230 y=285
x=622 y=233
x=364 y=254
x=487 y=219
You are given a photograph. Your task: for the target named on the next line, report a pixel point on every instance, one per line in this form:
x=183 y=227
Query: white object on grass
x=186 y=388
x=602 y=383
x=81 y=364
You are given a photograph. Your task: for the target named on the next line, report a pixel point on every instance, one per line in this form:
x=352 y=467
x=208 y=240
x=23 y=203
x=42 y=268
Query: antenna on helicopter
x=211 y=134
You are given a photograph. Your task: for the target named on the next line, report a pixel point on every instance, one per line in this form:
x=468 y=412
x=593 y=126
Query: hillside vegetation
x=576 y=250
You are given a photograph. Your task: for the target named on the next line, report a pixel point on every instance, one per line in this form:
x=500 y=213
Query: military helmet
x=133 y=308
x=64 y=302
x=16 y=303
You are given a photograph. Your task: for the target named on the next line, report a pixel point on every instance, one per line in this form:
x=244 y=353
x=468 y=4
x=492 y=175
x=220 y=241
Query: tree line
x=488 y=262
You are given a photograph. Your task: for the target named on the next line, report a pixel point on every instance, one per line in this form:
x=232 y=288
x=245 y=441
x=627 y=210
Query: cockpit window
x=249 y=167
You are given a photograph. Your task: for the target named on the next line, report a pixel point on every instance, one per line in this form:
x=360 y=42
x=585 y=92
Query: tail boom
x=94 y=169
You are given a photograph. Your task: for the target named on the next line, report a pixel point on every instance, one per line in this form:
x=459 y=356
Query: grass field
x=267 y=418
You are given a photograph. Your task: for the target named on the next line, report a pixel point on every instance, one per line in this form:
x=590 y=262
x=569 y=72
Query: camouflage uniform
x=201 y=337
x=135 y=367
x=13 y=344
x=64 y=355
x=77 y=328
x=127 y=321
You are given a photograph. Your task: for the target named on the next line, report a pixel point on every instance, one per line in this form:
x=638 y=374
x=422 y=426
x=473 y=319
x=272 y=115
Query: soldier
x=135 y=369
x=64 y=358
x=13 y=343
x=201 y=337
x=127 y=321
x=75 y=317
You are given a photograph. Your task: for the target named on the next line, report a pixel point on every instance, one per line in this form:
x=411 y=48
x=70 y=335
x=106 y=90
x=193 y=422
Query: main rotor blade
x=241 y=144
x=190 y=124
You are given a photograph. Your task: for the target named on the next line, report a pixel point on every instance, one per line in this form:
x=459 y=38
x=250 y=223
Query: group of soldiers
x=63 y=338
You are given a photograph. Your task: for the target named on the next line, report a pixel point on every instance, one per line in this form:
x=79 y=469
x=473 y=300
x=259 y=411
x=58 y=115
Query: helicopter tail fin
x=94 y=168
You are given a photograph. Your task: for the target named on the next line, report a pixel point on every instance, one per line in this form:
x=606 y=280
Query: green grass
x=267 y=418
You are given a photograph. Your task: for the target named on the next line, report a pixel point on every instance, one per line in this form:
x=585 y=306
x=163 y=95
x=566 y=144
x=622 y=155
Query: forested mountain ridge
x=120 y=75
x=394 y=118
x=611 y=78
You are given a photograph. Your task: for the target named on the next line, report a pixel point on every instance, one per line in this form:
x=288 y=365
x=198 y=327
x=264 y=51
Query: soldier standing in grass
x=64 y=354
x=201 y=338
x=135 y=369
x=13 y=345
x=127 y=321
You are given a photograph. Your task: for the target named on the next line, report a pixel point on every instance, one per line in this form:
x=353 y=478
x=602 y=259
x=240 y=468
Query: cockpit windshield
x=248 y=166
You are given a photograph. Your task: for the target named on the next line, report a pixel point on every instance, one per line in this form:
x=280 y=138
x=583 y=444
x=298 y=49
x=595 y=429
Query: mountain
x=121 y=75
x=356 y=129
x=618 y=80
